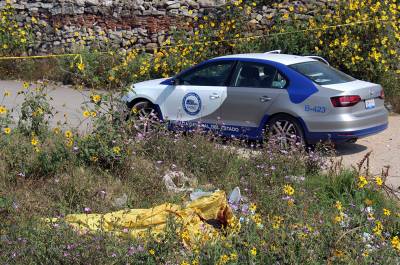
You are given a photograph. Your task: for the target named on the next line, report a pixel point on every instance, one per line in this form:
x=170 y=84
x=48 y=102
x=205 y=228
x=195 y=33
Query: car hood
x=147 y=89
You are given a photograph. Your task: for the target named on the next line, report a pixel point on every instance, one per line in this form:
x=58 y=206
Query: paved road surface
x=385 y=146
x=66 y=102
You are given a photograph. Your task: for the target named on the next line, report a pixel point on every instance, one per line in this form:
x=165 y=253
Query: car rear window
x=321 y=73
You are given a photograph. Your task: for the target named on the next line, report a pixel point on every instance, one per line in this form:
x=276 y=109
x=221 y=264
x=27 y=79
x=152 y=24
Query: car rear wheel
x=285 y=130
x=146 y=117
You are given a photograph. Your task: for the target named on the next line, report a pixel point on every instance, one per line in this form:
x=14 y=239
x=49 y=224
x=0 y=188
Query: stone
x=151 y=46
x=92 y=2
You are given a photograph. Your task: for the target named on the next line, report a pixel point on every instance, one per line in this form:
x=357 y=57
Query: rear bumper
x=342 y=137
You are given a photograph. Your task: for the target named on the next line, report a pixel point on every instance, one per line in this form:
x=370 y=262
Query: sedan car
x=247 y=95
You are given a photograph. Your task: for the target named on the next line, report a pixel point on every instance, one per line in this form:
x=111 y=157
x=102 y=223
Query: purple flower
x=234 y=207
x=87 y=210
x=245 y=209
x=131 y=251
x=140 y=248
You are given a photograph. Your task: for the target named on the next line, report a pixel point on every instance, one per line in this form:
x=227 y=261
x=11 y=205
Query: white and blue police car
x=246 y=95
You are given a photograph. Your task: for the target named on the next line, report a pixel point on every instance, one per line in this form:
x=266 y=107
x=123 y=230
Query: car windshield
x=321 y=73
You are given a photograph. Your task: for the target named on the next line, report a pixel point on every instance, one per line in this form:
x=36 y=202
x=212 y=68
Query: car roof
x=286 y=59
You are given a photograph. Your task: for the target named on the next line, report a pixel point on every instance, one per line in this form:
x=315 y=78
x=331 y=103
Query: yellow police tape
x=196 y=219
x=77 y=55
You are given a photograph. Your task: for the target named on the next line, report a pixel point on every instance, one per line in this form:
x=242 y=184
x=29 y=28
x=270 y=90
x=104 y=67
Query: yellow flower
x=339 y=218
x=135 y=111
x=3 y=110
x=253 y=207
x=25 y=85
x=93 y=114
x=233 y=256
x=386 y=212
x=253 y=251
x=223 y=259
x=378 y=181
x=152 y=252
x=288 y=190
x=96 y=98
x=56 y=130
x=70 y=142
x=7 y=130
x=34 y=141
x=68 y=134
x=81 y=66
x=338 y=205
x=34 y=20
x=185 y=263
x=276 y=222
x=362 y=182
x=378 y=228
x=396 y=243
x=117 y=150
x=7 y=93
x=86 y=114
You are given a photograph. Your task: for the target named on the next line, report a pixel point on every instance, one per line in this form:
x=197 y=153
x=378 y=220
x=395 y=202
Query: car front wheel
x=146 y=117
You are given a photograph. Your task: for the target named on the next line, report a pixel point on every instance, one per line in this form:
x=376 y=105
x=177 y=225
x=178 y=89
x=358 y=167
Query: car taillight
x=382 y=95
x=345 y=101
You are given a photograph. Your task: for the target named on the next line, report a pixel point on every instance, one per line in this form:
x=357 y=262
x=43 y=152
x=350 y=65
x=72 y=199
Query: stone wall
x=121 y=24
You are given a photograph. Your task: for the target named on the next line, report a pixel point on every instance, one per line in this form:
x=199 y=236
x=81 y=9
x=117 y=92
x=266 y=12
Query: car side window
x=211 y=74
x=258 y=75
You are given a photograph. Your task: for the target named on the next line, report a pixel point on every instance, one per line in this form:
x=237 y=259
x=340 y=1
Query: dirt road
x=385 y=146
x=385 y=149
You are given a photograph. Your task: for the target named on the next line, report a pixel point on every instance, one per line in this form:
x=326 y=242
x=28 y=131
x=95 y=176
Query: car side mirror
x=170 y=82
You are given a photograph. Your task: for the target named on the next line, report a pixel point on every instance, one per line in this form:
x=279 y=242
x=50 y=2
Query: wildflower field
x=297 y=206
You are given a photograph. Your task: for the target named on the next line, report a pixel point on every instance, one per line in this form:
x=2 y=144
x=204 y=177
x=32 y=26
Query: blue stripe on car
x=252 y=133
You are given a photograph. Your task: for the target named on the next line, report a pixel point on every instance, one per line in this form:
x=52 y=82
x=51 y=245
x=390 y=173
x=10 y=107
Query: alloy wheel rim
x=147 y=120
x=285 y=132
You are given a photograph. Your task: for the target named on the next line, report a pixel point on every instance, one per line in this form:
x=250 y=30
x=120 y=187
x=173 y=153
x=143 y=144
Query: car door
x=197 y=94
x=253 y=90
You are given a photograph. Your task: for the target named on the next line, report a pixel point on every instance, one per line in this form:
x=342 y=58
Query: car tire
x=146 y=116
x=286 y=130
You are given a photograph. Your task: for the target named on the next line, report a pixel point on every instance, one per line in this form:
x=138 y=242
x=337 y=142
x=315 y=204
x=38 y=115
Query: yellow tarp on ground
x=137 y=222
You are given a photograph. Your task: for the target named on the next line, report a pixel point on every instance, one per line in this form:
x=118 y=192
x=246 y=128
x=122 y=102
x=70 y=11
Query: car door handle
x=214 y=96
x=265 y=99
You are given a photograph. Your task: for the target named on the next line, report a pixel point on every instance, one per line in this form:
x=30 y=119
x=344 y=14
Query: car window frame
x=203 y=65
x=240 y=62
